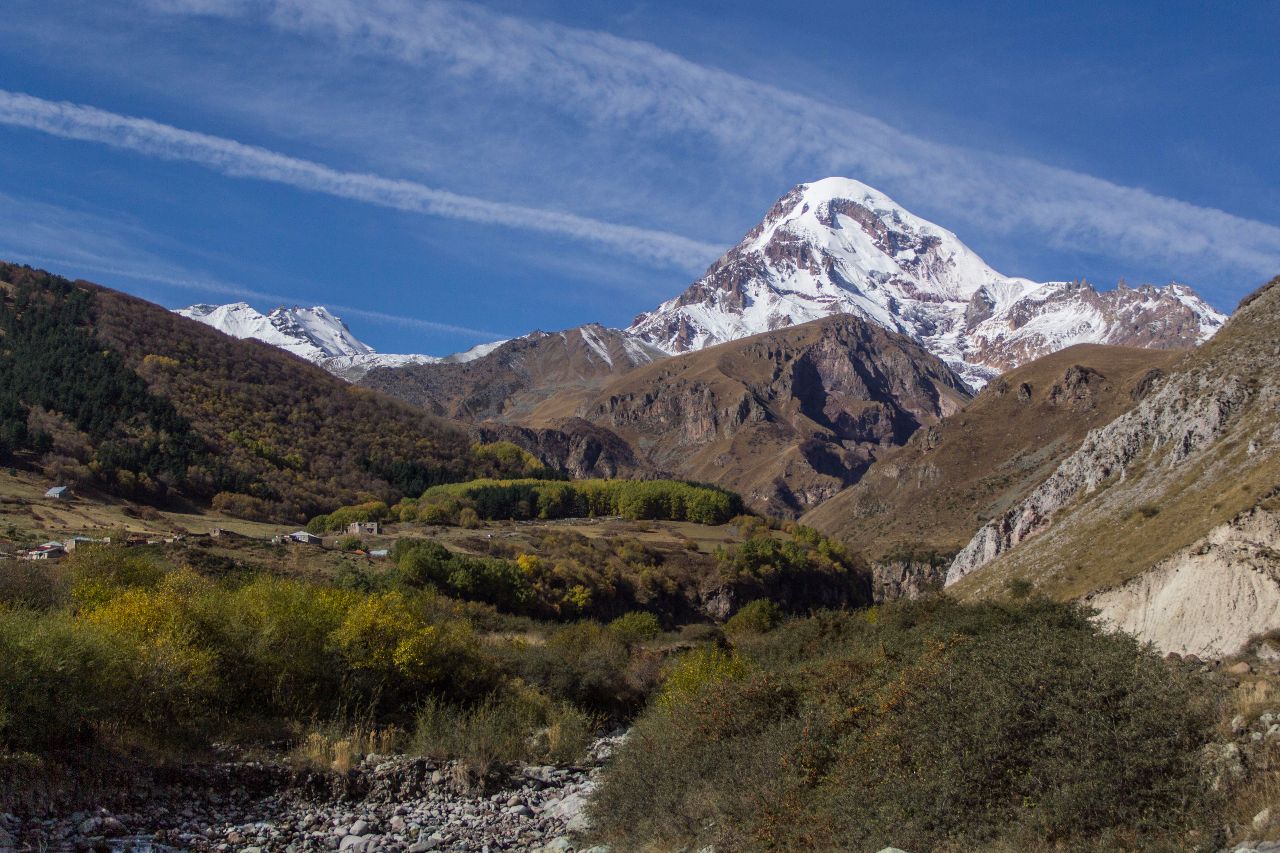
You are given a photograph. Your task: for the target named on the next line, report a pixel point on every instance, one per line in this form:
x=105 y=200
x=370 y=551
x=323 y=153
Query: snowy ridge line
x=317 y=335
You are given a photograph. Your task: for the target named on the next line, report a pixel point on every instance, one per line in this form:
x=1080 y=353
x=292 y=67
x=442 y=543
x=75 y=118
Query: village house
x=60 y=493
x=47 y=551
x=364 y=528
x=75 y=542
x=306 y=538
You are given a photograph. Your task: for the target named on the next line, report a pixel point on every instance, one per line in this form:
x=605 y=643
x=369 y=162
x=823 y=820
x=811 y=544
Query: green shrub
x=755 y=617
x=57 y=678
x=97 y=574
x=933 y=725
x=287 y=659
x=695 y=670
x=497 y=582
x=518 y=724
x=340 y=518
x=1019 y=587
x=636 y=627
x=507 y=459
x=174 y=679
x=637 y=499
x=439 y=513
x=394 y=655
x=468 y=518
x=588 y=665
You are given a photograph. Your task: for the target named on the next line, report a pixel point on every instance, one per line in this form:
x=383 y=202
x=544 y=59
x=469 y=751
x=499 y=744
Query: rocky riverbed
x=393 y=803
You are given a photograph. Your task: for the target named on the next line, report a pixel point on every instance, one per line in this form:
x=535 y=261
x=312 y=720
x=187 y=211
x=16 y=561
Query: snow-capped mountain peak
x=311 y=333
x=839 y=246
x=315 y=334
x=833 y=246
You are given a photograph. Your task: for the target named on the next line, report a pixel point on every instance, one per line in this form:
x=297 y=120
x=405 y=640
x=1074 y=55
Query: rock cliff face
x=787 y=418
x=509 y=382
x=1167 y=494
x=909 y=578
x=1210 y=597
x=1184 y=417
x=930 y=496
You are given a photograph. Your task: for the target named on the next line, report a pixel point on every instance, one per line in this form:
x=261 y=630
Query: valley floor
x=392 y=803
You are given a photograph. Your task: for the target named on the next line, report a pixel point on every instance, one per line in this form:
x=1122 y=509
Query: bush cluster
x=147 y=651
x=669 y=500
x=425 y=564
x=925 y=726
x=800 y=571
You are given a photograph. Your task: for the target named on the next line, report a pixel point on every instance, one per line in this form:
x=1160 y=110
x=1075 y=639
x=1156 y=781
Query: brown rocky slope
x=1164 y=517
x=920 y=504
x=787 y=418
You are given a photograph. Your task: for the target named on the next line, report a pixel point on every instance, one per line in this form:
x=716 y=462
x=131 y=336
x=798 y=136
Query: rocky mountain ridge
x=833 y=246
x=918 y=505
x=786 y=418
x=513 y=379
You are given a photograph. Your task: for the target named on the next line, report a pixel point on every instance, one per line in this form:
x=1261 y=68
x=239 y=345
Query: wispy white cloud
x=236 y=159
x=82 y=244
x=644 y=90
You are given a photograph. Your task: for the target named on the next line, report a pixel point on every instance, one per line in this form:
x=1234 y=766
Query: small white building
x=76 y=541
x=60 y=493
x=306 y=538
x=47 y=551
x=364 y=528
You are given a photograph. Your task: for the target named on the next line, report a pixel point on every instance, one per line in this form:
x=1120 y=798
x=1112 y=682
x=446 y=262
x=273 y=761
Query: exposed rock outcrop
x=839 y=246
x=1209 y=598
x=906 y=578
x=931 y=496
x=577 y=448
x=1185 y=415
x=787 y=418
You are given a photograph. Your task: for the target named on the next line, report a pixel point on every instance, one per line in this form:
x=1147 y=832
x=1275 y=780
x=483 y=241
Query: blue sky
x=446 y=173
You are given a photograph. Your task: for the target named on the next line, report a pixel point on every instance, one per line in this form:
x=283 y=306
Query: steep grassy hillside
x=108 y=389
x=1183 y=475
x=930 y=496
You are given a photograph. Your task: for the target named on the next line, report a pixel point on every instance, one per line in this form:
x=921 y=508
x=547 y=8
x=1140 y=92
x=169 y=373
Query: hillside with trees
x=110 y=391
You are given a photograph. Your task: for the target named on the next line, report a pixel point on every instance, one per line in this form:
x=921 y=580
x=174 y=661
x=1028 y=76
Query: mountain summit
x=311 y=333
x=315 y=334
x=839 y=246
x=834 y=246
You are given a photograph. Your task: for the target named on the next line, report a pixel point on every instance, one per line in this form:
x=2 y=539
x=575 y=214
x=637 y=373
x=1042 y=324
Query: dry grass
x=24 y=506
x=339 y=750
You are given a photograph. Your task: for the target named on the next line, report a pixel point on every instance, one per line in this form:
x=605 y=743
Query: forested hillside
x=111 y=391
